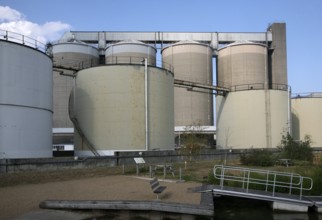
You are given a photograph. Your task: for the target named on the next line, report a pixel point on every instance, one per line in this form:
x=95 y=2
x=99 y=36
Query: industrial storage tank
x=191 y=61
x=75 y=55
x=25 y=102
x=242 y=66
x=307 y=117
x=252 y=119
x=130 y=52
x=123 y=108
x=253 y=114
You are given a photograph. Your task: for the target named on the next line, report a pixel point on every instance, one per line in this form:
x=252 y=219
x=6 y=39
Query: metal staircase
x=77 y=126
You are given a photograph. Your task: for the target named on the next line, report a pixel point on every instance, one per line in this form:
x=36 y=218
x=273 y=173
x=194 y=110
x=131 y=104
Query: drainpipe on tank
x=289 y=111
x=146 y=104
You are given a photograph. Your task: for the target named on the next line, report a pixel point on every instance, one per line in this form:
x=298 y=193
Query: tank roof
x=135 y=42
x=237 y=43
x=185 y=42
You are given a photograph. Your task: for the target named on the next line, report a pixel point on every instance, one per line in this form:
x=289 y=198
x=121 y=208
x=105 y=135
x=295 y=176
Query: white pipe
x=289 y=110
x=146 y=103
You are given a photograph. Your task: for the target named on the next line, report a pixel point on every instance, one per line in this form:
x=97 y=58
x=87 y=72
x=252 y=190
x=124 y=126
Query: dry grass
x=196 y=171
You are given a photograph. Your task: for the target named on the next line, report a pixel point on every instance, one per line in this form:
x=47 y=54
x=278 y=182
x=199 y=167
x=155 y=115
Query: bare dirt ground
x=22 y=193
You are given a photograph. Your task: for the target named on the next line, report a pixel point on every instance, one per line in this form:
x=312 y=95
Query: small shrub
x=257 y=157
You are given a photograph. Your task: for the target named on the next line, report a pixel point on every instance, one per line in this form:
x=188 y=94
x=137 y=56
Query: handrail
x=307 y=95
x=254 y=86
x=270 y=178
x=137 y=60
x=22 y=39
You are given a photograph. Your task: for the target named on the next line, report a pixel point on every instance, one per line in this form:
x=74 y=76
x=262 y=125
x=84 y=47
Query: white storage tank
x=25 y=102
x=253 y=114
x=75 y=55
x=252 y=119
x=109 y=105
x=191 y=61
x=130 y=52
x=307 y=117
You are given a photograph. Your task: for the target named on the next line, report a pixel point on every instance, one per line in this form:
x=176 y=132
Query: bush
x=296 y=150
x=257 y=157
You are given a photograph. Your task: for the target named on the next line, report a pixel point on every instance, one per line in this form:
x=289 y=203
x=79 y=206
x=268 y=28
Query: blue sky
x=303 y=18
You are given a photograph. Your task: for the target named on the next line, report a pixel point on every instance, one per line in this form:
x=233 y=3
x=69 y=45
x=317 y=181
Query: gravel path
x=18 y=200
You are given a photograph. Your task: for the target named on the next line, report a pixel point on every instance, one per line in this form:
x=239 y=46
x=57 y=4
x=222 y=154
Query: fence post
x=137 y=169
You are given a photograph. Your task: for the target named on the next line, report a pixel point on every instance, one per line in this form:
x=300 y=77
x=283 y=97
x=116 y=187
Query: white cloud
x=9 y=14
x=14 y=21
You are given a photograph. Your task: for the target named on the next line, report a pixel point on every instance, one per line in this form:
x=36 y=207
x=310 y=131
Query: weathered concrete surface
x=128 y=205
x=289 y=207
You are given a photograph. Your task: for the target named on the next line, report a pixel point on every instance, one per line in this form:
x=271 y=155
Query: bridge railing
x=270 y=181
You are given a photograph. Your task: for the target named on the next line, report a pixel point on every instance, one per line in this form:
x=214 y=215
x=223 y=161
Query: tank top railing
x=307 y=95
x=74 y=64
x=22 y=39
x=136 y=60
x=254 y=86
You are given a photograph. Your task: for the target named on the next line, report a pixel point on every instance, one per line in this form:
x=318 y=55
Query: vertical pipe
x=146 y=104
x=289 y=118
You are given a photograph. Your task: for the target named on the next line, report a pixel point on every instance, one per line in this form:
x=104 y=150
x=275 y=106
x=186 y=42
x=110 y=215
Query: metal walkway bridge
x=285 y=190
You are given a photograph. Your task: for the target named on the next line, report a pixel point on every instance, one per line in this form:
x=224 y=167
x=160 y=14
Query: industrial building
x=107 y=92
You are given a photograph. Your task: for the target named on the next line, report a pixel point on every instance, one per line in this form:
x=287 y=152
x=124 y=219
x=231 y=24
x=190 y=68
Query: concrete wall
x=120 y=158
x=253 y=118
x=278 y=58
x=307 y=119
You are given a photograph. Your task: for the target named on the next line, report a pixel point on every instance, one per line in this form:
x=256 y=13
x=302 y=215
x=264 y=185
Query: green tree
x=193 y=142
x=296 y=150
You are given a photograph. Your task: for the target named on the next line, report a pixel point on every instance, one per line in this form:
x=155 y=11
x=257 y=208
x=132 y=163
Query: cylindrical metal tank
x=112 y=104
x=75 y=55
x=191 y=61
x=307 y=117
x=130 y=52
x=25 y=102
x=242 y=66
x=252 y=119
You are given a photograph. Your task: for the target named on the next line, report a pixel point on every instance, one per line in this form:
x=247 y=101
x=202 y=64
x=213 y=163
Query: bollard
x=180 y=173
x=164 y=171
x=150 y=171
x=137 y=169
x=123 y=169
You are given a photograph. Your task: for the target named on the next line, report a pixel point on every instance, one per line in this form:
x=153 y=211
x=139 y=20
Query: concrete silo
x=307 y=117
x=123 y=108
x=191 y=61
x=25 y=102
x=130 y=52
x=242 y=65
x=74 y=55
x=255 y=113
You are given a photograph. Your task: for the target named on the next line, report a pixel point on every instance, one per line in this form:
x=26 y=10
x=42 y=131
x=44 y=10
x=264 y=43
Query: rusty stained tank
x=191 y=61
x=242 y=66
